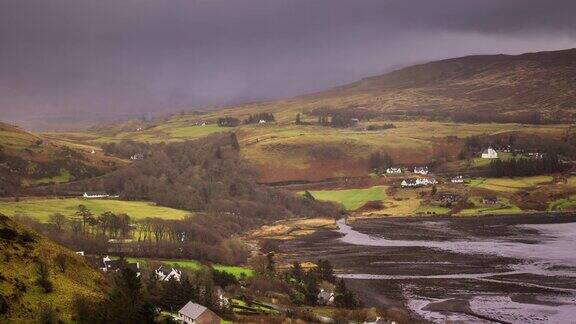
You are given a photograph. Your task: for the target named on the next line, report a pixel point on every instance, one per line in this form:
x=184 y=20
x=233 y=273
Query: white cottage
x=489 y=153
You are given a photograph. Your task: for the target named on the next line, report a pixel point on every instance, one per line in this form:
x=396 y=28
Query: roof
x=192 y=310
x=95 y=193
x=164 y=271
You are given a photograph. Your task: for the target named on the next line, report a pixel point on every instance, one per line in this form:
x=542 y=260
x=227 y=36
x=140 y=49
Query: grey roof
x=192 y=310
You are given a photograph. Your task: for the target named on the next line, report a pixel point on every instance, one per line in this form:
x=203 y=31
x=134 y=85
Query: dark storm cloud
x=111 y=57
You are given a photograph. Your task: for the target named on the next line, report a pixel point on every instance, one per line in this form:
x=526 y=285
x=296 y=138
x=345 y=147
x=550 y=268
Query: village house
x=325 y=298
x=113 y=265
x=393 y=170
x=167 y=274
x=193 y=313
x=457 y=179
x=261 y=121
x=489 y=153
x=222 y=300
x=95 y=194
x=137 y=156
x=489 y=200
x=421 y=170
x=418 y=182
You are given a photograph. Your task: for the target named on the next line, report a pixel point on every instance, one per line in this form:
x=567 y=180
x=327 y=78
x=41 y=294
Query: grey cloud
x=111 y=58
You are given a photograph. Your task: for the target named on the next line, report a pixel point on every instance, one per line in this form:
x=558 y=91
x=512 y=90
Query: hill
x=21 y=297
x=507 y=84
x=29 y=159
x=433 y=107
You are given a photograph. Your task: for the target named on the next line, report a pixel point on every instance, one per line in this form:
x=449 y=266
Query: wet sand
x=489 y=269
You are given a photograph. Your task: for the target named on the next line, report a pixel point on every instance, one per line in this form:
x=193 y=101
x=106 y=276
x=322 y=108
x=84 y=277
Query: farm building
x=167 y=274
x=489 y=153
x=95 y=194
x=393 y=170
x=421 y=170
x=196 y=313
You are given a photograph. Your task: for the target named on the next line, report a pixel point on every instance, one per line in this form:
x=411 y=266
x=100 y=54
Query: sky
x=103 y=60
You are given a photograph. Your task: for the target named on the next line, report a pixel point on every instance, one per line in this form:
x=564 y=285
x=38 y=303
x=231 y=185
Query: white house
x=167 y=274
x=137 y=156
x=457 y=179
x=261 y=121
x=95 y=194
x=325 y=297
x=489 y=153
x=421 y=170
x=393 y=170
x=418 y=182
x=196 y=313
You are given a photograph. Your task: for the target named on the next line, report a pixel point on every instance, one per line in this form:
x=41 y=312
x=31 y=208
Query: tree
x=296 y=271
x=58 y=220
x=43 y=280
x=326 y=271
x=61 y=261
x=298 y=121
x=85 y=215
x=344 y=297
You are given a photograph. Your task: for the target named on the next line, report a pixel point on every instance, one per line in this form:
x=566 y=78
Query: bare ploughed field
x=489 y=269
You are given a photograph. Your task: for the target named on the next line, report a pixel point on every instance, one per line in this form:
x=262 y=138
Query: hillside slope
x=541 y=81
x=28 y=159
x=21 y=298
x=433 y=107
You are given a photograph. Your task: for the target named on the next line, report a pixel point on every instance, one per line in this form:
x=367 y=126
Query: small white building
x=421 y=170
x=457 y=179
x=325 y=297
x=167 y=274
x=393 y=170
x=95 y=194
x=418 y=182
x=489 y=153
x=261 y=121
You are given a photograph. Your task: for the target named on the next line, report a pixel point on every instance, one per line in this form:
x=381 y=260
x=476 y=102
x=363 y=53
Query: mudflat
x=503 y=269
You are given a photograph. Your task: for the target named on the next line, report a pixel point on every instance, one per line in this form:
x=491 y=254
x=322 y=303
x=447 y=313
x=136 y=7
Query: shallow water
x=553 y=255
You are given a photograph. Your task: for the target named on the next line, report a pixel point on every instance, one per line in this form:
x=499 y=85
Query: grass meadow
x=351 y=199
x=40 y=209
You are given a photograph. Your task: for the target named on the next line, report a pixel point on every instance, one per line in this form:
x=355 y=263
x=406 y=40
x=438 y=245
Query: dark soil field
x=491 y=269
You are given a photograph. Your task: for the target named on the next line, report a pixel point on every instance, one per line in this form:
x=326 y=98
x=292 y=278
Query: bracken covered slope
x=21 y=298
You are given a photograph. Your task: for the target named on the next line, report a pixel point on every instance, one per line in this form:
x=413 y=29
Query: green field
x=195 y=265
x=40 y=209
x=351 y=199
x=64 y=176
x=563 y=204
x=503 y=206
x=509 y=184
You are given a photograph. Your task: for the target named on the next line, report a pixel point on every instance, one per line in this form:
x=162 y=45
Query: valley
x=438 y=192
